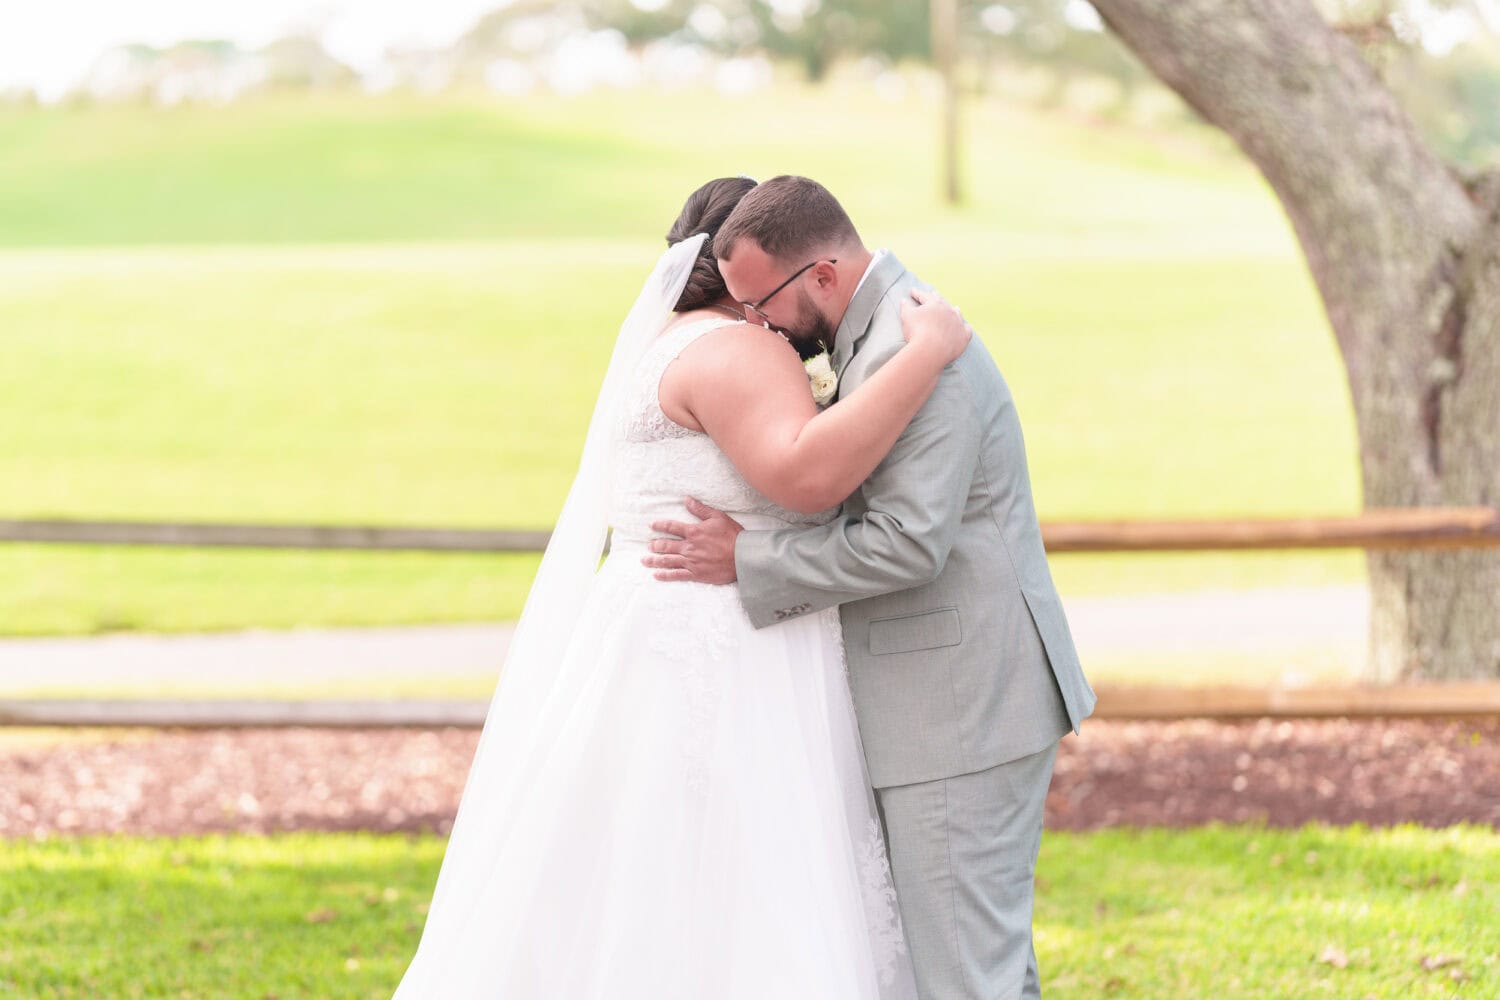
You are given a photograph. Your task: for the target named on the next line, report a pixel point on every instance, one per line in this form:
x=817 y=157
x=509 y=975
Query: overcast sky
x=49 y=44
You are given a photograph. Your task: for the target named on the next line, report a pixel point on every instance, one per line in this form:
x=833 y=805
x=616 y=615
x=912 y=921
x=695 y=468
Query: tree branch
x=1367 y=197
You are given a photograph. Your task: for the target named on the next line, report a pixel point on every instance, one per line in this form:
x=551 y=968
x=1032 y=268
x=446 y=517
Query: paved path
x=1269 y=623
x=1271 y=618
x=237 y=658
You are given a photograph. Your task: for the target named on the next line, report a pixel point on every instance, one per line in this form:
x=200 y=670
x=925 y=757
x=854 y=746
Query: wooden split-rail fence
x=1426 y=528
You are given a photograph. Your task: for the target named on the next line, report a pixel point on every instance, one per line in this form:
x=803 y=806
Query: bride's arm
x=748 y=390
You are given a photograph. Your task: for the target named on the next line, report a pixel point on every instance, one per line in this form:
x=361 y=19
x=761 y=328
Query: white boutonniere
x=823 y=379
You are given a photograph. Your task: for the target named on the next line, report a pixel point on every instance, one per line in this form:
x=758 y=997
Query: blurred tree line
x=1441 y=58
x=1452 y=88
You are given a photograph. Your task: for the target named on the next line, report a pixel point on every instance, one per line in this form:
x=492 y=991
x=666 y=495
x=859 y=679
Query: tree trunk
x=1406 y=257
x=943 y=18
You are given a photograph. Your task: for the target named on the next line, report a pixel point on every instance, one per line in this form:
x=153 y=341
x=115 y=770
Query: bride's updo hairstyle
x=705 y=212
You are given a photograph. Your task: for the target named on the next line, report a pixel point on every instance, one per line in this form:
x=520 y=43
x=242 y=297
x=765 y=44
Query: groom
x=961 y=663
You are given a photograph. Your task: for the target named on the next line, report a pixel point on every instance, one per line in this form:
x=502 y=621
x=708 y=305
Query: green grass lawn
x=349 y=169
x=1222 y=912
x=398 y=311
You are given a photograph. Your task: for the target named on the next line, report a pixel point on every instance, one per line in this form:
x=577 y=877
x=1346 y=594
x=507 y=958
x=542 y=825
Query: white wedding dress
x=693 y=819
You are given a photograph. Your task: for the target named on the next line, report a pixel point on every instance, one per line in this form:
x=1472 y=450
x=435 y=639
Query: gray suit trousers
x=963 y=858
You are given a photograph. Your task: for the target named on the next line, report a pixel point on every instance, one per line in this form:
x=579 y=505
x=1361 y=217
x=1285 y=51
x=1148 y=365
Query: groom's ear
x=826 y=274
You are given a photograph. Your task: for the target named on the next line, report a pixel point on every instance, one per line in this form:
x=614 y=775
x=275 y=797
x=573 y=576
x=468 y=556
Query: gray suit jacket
x=960 y=657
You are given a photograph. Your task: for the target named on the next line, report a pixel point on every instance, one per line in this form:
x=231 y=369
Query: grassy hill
x=397 y=310
x=360 y=169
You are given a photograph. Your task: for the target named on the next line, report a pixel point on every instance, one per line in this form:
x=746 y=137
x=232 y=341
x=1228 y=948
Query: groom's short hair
x=789 y=217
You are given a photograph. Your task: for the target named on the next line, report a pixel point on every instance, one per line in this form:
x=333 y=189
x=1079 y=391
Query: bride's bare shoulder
x=735 y=346
x=728 y=368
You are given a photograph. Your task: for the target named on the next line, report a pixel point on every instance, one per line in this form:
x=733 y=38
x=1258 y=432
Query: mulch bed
x=1280 y=773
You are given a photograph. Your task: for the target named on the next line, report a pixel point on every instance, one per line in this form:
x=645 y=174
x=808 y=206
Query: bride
x=666 y=802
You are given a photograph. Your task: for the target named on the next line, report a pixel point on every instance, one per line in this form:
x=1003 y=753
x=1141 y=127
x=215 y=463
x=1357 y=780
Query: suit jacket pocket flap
x=909 y=633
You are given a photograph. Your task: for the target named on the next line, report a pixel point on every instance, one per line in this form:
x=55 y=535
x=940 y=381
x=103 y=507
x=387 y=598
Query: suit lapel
x=856 y=321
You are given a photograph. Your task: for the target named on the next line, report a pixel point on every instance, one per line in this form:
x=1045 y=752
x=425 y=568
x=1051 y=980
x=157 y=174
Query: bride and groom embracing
x=796 y=746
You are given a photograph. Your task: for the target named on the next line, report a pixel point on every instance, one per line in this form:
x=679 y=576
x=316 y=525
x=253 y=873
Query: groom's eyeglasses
x=755 y=307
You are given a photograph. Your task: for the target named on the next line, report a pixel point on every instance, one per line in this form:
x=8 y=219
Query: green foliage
x=1224 y=912
x=813 y=38
x=1455 y=100
x=834 y=29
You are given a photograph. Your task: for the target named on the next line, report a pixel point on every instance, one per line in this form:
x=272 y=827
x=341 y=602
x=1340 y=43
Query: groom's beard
x=812 y=332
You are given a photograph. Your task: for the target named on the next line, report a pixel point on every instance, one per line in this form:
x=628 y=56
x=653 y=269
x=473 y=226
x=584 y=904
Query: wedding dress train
x=691 y=818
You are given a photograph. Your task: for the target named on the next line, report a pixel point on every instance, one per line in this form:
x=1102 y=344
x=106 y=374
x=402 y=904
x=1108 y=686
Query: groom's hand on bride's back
x=702 y=552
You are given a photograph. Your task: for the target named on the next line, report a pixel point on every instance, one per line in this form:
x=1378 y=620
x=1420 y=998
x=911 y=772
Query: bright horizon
x=50 y=47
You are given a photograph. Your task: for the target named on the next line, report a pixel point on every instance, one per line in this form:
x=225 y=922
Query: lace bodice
x=659 y=462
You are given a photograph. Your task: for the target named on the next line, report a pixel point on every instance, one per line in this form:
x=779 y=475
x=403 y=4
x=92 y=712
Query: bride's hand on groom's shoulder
x=701 y=552
x=931 y=320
